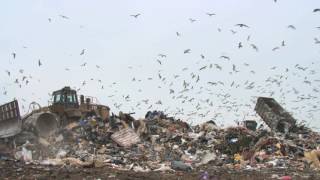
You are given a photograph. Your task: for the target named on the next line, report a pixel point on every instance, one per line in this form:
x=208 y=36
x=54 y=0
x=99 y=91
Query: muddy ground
x=18 y=170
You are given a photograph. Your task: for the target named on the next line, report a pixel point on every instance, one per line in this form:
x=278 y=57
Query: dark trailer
x=10 y=119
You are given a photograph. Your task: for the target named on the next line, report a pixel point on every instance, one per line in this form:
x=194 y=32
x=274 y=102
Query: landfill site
x=160 y=90
x=72 y=139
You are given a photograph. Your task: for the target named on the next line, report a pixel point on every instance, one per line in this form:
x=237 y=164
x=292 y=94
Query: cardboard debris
x=125 y=137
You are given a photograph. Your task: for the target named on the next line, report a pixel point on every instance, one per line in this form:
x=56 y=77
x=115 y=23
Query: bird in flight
x=39 y=62
x=292 y=27
x=225 y=57
x=159 y=61
x=49 y=19
x=211 y=14
x=162 y=55
x=192 y=20
x=316 y=10
x=275 y=48
x=82 y=52
x=84 y=64
x=177 y=33
x=136 y=15
x=254 y=47
x=242 y=25
x=202 y=68
x=202 y=56
x=14 y=55
x=186 y=51
x=233 y=31
x=8 y=72
x=240 y=45
x=317 y=41
x=283 y=43
x=248 y=38
x=234 y=68
x=64 y=17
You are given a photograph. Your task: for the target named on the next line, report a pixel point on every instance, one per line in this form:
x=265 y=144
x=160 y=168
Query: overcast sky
x=123 y=64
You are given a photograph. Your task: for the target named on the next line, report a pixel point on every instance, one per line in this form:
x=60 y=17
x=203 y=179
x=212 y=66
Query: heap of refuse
x=161 y=143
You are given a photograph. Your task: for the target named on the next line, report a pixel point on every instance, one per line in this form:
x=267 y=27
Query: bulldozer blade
x=43 y=123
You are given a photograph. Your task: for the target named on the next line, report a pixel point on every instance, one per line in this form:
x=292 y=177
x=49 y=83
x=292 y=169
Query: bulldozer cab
x=65 y=102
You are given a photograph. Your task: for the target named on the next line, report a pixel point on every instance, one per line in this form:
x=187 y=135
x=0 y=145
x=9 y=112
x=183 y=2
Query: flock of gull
x=194 y=96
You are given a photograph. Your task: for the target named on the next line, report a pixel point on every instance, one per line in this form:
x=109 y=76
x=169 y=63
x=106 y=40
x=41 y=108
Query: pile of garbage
x=162 y=143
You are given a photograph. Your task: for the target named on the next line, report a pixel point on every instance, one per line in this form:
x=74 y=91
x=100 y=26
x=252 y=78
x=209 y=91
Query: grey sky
x=126 y=48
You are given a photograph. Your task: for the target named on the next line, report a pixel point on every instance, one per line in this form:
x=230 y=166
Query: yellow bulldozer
x=66 y=107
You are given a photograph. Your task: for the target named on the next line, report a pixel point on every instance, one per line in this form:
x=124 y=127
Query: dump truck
x=276 y=117
x=65 y=108
x=10 y=119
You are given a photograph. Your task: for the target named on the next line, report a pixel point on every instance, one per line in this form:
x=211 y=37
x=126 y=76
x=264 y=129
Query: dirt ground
x=18 y=170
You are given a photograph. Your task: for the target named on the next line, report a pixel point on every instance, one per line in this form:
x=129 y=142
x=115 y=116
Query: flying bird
x=192 y=20
x=186 y=51
x=177 y=33
x=212 y=83
x=218 y=67
x=202 y=68
x=211 y=14
x=254 y=47
x=14 y=55
x=283 y=43
x=39 y=63
x=49 y=19
x=82 y=52
x=240 y=45
x=64 y=17
x=84 y=64
x=242 y=25
x=136 y=15
x=316 y=10
x=159 y=61
x=202 y=56
x=316 y=41
x=275 y=48
x=234 y=68
x=292 y=27
x=225 y=57
x=8 y=72
x=248 y=38
x=162 y=55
